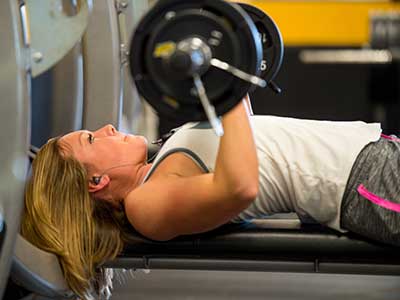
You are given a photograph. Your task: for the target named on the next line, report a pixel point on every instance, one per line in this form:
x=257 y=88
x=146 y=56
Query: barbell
x=194 y=60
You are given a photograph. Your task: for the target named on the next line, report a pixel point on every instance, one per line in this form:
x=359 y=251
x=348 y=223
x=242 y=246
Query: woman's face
x=106 y=148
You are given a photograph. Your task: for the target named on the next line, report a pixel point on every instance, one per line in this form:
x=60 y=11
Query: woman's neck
x=122 y=186
x=141 y=174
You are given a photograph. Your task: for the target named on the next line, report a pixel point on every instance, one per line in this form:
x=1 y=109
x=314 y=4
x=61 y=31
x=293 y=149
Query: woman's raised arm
x=174 y=205
x=237 y=165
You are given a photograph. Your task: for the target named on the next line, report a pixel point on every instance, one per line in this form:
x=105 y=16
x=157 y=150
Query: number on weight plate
x=263 y=65
x=263 y=37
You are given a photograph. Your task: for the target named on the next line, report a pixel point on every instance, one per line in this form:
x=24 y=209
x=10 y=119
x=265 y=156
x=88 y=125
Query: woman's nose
x=111 y=129
x=107 y=130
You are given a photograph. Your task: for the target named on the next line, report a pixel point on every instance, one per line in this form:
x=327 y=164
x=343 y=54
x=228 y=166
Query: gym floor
x=198 y=285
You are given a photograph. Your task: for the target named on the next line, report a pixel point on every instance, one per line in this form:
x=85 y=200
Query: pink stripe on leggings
x=362 y=190
x=391 y=138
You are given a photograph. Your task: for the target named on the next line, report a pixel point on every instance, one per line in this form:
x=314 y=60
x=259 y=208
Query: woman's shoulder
x=179 y=164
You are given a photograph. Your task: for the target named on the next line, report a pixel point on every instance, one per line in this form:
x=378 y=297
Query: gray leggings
x=371 y=202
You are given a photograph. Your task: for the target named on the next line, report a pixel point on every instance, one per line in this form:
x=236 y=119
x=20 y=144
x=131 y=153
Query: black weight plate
x=223 y=89
x=199 y=24
x=271 y=39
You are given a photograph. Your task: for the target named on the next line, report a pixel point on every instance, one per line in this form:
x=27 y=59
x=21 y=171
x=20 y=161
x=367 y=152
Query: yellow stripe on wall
x=323 y=23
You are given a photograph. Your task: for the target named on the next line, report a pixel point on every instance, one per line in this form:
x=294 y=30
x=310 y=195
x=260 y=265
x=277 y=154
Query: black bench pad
x=268 y=245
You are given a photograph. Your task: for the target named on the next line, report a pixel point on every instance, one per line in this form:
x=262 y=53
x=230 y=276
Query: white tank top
x=303 y=164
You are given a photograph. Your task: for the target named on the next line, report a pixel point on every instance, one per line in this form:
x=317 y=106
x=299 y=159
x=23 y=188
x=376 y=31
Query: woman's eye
x=91 y=138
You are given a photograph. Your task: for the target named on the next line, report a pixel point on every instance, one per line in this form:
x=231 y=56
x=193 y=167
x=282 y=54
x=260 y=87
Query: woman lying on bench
x=86 y=187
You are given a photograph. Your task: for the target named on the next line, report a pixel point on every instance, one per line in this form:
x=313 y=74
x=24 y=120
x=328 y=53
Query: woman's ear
x=98 y=183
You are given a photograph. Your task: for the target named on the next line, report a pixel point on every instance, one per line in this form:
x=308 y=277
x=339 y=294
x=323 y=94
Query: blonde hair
x=61 y=217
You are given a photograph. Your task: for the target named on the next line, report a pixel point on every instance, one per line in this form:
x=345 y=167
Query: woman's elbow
x=248 y=193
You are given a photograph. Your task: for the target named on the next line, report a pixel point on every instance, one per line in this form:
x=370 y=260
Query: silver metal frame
x=132 y=110
x=138 y=116
x=102 y=67
x=15 y=125
x=67 y=93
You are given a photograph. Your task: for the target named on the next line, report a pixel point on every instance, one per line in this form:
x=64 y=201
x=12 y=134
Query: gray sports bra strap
x=188 y=152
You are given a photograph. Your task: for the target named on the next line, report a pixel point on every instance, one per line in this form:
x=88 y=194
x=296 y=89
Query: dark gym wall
x=327 y=92
x=332 y=92
x=324 y=92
